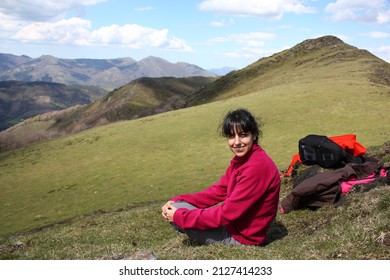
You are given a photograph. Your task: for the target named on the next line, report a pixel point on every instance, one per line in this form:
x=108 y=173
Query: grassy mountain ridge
x=140 y=98
x=317 y=59
x=137 y=165
x=322 y=60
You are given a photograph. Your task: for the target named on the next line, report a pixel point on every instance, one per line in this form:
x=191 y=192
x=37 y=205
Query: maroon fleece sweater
x=245 y=199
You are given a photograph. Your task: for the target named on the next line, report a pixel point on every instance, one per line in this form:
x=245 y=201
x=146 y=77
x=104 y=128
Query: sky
x=208 y=33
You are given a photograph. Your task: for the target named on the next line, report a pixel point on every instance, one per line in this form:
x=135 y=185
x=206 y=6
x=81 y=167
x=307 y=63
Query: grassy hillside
x=358 y=229
x=135 y=166
x=320 y=59
x=311 y=65
x=155 y=157
x=22 y=100
x=97 y=195
x=140 y=98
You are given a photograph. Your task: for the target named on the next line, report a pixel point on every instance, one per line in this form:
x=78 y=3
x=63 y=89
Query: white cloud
x=250 y=44
x=222 y=23
x=379 y=35
x=144 y=9
x=373 y=11
x=218 y=23
x=136 y=36
x=38 y=10
x=262 y=8
x=45 y=22
x=8 y=23
x=383 y=52
x=178 y=44
x=77 y=31
x=62 y=31
x=244 y=38
x=385 y=49
x=132 y=35
x=248 y=53
x=285 y=27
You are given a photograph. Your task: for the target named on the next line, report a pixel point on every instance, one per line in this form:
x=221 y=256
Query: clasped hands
x=168 y=210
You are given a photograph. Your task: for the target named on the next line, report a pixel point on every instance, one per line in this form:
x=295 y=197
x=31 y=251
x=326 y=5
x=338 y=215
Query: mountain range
x=104 y=73
x=320 y=61
x=96 y=194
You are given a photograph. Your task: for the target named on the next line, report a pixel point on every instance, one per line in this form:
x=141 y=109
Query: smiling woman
x=240 y=207
x=241 y=130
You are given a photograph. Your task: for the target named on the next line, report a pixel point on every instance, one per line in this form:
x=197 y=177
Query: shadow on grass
x=275 y=232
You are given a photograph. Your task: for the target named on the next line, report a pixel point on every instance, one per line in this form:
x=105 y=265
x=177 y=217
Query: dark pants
x=206 y=237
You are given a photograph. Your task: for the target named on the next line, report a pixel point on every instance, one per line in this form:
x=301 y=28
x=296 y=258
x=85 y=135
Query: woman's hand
x=168 y=210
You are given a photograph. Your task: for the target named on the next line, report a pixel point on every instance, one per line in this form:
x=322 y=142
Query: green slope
x=312 y=61
x=156 y=157
x=153 y=158
x=142 y=97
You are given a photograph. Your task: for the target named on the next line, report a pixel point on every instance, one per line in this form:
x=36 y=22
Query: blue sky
x=208 y=33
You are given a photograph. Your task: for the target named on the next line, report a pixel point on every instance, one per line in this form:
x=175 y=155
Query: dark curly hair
x=242 y=119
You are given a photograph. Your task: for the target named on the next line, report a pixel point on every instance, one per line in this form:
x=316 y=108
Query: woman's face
x=240 y=142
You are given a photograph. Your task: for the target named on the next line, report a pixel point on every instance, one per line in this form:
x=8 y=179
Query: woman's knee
x=183 y=204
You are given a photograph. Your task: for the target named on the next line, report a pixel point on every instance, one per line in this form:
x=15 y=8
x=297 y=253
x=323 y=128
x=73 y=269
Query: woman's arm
x=250 y=189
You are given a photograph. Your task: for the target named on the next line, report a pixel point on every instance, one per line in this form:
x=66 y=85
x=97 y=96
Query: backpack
x=320 y=150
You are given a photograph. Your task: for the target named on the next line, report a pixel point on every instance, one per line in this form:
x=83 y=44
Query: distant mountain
x=10 y=61
x=104 y=73
x=312 y=63
x=21 y=100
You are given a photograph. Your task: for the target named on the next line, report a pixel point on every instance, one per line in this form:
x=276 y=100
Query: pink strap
x=346 y=186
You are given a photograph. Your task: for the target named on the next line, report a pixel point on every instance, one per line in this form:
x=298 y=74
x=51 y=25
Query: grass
x=97 y=194
x=160 y=156
x=357 y=229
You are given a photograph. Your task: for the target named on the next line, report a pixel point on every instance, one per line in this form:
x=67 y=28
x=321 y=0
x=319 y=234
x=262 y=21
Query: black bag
x=319 y=149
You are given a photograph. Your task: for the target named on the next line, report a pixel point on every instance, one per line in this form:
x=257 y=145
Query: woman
x=239 y=208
